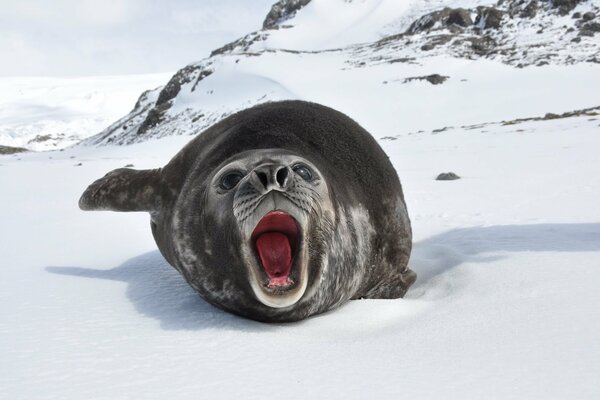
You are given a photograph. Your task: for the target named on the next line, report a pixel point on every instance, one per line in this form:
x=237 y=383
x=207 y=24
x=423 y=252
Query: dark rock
x=183 y=76
x=129 y=166
x=488 y=17
x=242 y=44
x=169 y=92
x=482 y=45
x=530 y=10
x=282 y=11
x=427 y=21
x=197 y=117
x=40 y=139
x=564 y=6
x=153 y=118
x=576 y=39
x=142 y=99
x=11 y=150
x=588 y=16
x=551 y=116
x=589 y=29
x=396 y=60
x=447 y=176
x=446 y=17
x=434 y=79
x=576 y=15
x=78 y=165
x=460 y=17
x=436 y=41
x=571 y=29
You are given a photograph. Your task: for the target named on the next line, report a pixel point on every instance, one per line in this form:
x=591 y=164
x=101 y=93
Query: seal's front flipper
x=124 y=189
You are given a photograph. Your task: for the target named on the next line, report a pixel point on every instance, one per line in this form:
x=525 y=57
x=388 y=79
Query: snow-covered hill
x=54 y=113
x=360 y=56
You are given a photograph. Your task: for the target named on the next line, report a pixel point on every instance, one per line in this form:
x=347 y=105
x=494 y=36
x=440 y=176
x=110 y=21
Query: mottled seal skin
x=354 y=236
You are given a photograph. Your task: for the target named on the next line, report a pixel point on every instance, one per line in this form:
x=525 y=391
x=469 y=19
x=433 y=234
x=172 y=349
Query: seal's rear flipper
x=124 y=189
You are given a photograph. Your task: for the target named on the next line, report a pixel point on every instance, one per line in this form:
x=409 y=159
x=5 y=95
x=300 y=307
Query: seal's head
x=276 y=213
x=259 y=215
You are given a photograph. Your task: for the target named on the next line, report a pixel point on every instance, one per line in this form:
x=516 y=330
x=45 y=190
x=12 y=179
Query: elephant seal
x=278 y=212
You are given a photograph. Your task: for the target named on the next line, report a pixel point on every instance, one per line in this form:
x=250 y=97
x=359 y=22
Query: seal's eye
x=229 y=181
x=304 y=172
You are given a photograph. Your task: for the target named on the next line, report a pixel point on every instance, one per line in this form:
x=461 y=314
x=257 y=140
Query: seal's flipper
x=124 y=189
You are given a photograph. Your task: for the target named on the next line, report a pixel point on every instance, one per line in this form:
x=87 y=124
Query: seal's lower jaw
x=280 y=277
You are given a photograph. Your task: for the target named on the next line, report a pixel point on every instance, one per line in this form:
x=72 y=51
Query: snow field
x=505 y=305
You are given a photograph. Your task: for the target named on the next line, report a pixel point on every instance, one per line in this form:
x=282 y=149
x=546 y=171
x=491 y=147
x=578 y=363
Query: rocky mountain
x=349 y=53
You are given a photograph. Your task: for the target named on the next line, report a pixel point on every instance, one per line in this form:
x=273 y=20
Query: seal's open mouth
x=275 y=239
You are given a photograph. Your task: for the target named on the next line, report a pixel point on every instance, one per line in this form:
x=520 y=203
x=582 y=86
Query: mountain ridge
x=513 y=32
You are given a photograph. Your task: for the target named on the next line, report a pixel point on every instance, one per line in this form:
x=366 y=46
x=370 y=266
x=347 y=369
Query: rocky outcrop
x=447 y=176
x=434 y=79
x=282 y=11
x=241 y=44
x=530 y=10
x=11 y=150
x=564 y=6
x=447 y=17
x=488 y=18
x=589 y=29
x=169 y=92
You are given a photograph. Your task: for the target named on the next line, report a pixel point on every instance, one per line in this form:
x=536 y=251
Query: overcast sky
x=104 y=37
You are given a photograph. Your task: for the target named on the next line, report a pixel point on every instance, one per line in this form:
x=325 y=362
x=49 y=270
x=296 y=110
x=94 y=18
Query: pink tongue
x=275 y=254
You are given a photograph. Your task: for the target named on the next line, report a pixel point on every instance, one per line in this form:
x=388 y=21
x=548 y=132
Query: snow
x=505 y=305
x=297 y=61
x=66 y=110
x=506 y=301
x=328 y=24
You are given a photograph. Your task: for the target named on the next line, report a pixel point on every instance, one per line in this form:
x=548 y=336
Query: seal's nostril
x=281 y=176
x=263 y=178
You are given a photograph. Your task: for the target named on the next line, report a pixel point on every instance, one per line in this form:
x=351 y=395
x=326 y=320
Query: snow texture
x=53 y=113
x=506 y=301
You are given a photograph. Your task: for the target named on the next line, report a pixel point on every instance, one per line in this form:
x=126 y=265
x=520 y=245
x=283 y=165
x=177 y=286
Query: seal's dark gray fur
x=360 y=251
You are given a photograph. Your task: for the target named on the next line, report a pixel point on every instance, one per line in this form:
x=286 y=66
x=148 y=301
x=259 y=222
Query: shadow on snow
x=158 y=291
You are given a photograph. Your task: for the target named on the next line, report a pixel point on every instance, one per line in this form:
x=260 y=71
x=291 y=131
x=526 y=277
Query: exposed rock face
x=488 y=18
x=589 y=29
x=588 y=16
x=11 y=150
x=169 y=92
x=446 y=17
x=564 y=6
x=281 y=11
x=242 y=44
x=434 y=79
x=530 y=10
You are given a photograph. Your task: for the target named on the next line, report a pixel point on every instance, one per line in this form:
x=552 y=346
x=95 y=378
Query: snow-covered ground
x=52 y=113
x=508 y=257
x=505 y=306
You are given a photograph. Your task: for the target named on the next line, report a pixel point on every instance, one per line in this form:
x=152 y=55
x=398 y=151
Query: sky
x=113 y=37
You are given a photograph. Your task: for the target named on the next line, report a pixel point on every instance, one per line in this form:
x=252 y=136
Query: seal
x=276 y=213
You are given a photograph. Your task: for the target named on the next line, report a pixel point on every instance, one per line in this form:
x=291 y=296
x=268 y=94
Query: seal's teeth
x=280 y=282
